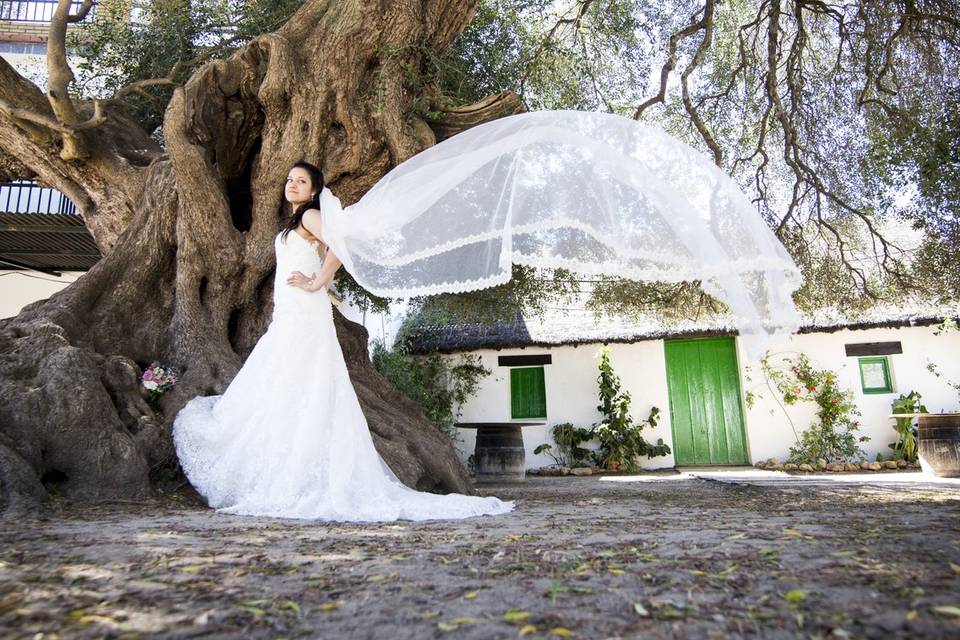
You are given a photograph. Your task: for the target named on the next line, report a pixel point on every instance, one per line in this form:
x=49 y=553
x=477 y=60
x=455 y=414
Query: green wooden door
x=705 y=410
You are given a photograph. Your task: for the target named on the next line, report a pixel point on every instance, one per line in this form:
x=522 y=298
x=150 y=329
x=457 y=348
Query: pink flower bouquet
x=158 y=379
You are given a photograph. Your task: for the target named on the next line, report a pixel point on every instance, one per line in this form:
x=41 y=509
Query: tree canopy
x=840 y=119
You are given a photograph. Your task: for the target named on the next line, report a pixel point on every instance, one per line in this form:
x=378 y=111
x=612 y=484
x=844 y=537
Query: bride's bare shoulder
x=312 y=222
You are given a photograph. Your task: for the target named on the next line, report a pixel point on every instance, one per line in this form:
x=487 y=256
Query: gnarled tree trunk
x=187 y=232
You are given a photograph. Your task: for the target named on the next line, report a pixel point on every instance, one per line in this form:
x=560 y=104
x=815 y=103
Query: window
x=24 y=48
x=875 y=375
x=528 y=396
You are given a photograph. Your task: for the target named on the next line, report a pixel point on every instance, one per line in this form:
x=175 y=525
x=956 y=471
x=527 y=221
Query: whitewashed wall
x=20 y=288
x=571 y=388
x=769 y=432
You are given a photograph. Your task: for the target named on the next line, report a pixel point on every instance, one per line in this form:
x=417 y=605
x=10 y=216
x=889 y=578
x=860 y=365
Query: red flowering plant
x=834 y=438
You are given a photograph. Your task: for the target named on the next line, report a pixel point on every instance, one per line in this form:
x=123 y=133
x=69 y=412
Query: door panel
x=705 y=410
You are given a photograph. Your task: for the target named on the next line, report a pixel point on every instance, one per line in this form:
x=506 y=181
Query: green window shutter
x=875 y=375
x=528 y=396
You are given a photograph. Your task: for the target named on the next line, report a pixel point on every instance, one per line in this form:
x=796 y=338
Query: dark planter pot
x=939 y=444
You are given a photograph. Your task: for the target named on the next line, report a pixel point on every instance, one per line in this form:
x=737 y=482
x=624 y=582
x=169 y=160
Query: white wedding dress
x=288 y=438
x=589 y=192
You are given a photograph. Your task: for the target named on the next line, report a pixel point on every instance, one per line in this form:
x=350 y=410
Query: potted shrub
x=904 y=410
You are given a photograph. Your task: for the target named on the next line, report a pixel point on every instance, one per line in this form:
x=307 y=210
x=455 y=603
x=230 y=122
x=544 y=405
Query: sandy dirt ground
x=690 y=555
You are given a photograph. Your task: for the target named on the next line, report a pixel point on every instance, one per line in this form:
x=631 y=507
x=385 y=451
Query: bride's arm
x=312 y=222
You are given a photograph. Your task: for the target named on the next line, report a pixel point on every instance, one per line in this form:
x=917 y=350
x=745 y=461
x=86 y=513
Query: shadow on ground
x=661 y=556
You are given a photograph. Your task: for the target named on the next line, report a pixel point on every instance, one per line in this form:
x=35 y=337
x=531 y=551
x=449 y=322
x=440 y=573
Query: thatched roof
x=580 y=326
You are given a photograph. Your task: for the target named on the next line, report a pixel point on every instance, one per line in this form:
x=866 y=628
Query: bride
x=288 y=438
x=592 y=193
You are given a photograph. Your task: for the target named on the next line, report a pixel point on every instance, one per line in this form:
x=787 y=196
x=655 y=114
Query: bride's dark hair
x=316 y=186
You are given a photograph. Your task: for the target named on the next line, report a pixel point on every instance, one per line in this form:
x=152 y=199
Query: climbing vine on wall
x=833 y=437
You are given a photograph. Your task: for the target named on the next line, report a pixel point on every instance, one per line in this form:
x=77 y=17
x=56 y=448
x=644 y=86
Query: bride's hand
x=301 y=281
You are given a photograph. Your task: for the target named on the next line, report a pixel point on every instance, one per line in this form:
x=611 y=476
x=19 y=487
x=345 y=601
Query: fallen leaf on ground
x=797 y=595
x=515 y=616
x=101 y=619
x=290 y=605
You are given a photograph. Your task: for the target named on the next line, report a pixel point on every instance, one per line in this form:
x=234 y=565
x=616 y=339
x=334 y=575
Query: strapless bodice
x=294 y=253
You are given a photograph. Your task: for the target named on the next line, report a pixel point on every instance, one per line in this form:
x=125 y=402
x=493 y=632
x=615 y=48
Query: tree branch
x=454 y=120
x=81 y=12
x=59 y=77
x=580 y=7
x=139 y=87
x=671 y=63
x=706 y=24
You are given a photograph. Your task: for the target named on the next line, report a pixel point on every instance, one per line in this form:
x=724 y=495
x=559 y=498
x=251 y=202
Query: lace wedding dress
x=594 y=193
x=288 y=438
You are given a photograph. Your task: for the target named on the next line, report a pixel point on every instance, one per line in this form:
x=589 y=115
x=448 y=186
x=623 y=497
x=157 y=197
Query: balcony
x=36 y=10
x=24 y=196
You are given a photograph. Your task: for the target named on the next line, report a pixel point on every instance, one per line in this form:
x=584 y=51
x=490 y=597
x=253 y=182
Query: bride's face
x=299 y=189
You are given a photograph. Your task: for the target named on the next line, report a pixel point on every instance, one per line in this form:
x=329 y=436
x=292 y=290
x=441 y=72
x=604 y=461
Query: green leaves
x=905 y=446
x=620 y=439
x=833 y=436
x=440 y=386
x=115 y=51
x=568 y=439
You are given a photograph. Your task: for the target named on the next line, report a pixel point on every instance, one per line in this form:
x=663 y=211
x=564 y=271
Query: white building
x=699 y=377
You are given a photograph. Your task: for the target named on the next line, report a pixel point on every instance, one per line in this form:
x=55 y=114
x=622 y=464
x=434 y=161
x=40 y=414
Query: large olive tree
x=186 y=230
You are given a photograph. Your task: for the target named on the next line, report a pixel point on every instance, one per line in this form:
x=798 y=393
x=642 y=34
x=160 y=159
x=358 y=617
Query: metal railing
x=27 y=197
x=36 y=10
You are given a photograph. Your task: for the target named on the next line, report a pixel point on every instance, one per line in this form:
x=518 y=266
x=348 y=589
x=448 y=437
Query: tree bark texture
x=187 y=234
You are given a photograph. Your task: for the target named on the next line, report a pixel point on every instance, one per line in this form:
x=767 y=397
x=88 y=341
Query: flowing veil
x=594 y=193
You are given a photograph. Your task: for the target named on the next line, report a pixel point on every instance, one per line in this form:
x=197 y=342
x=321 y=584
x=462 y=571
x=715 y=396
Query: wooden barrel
x=499 y=454
x=939 y=444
